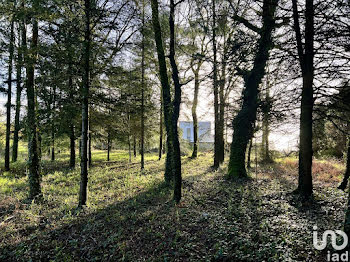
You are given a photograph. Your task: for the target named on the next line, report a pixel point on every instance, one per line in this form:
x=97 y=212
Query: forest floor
x=130 y=215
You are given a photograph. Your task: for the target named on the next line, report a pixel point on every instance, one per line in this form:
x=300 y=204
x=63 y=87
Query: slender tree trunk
x=53 y=125
x=108 y=145
x=243 y=124
x=85 y=110
x=176 y=104
x=167 y=107
x=71 y=125
x=160 y=131
x=249 y=153
x=33 y=147
x=90 y=148
x=221 y=119
x=265 y=128
x=306 y=57
x=72 y=146
x=344 y=183
x=23 y=39
x=9 y=94
x=134 y=145
x=194 y=112
x=216 y=94
x=143 y=90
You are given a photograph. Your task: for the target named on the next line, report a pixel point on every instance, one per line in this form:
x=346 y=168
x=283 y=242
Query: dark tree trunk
x=167 y=106
x=9 y=94
x=71 y=125
x=90 y=148
x=160 y=152
x=33 y=145
x=266 y=158
x=249 y=152
x=23 y=37
x=134 y=145
x=108 y=145
x=216 y=94
x=143 y=91
x=85 y=110
x=72 y=147
x=221 y=119
x=306 y=57
x=53 y=125
x=194 y=112
x=176 y=103
x=344 y=183
x=243 y=124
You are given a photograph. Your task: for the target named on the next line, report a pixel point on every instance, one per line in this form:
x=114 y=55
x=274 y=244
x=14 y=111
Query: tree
x=306 y=58
x=85 y=108
x=243 y=124
x=171 y=114
x=9 y=92
x=33 y=143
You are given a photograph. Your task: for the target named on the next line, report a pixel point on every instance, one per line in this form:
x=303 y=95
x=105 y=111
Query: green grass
x=130 y=215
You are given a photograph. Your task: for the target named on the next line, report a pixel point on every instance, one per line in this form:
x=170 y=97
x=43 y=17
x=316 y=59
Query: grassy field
x=130 y=215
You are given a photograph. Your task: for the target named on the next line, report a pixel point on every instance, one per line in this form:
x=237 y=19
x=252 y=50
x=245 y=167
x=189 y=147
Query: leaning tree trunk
x=23 y=37
x=167 y=107
x=9 y=93
x=306 y=57
x=33 y=146
x=85 y=110
x=243 y=124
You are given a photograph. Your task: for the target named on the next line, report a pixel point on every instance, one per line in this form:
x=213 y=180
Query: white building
x=204 y=131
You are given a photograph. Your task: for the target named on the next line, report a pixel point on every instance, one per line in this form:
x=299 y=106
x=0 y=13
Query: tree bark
x=160 y=152
x=53 y=125
x=243 y=124
x=216 y=94
x=344 y=183
x=23 y=39
x=108 y=145
x=33 y=143
x=9 y=95
x=194 y=112
x=249 y=152
x=142 y=149
x=176 y=104
x=134 y=145
x=306 y=57
x=85 y=109
x=167 y=107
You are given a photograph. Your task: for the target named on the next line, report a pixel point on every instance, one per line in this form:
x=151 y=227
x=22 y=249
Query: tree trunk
x=90 y=148
x=9 y=94
x=160 y=152
x=307 y=100
x=143 y=91
x=265 y=128
x=176 y=104
x=134 y=145
x=33 y=150
x=53 y=125
x=216 y=94
x=108 y=145
x=194 y=112
x=23 y=37
x=72 y=146
x=85 y=110
x=165 y=91
x=243 y=124
x=221 y=119
x=249 y=152
x=344 y=183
